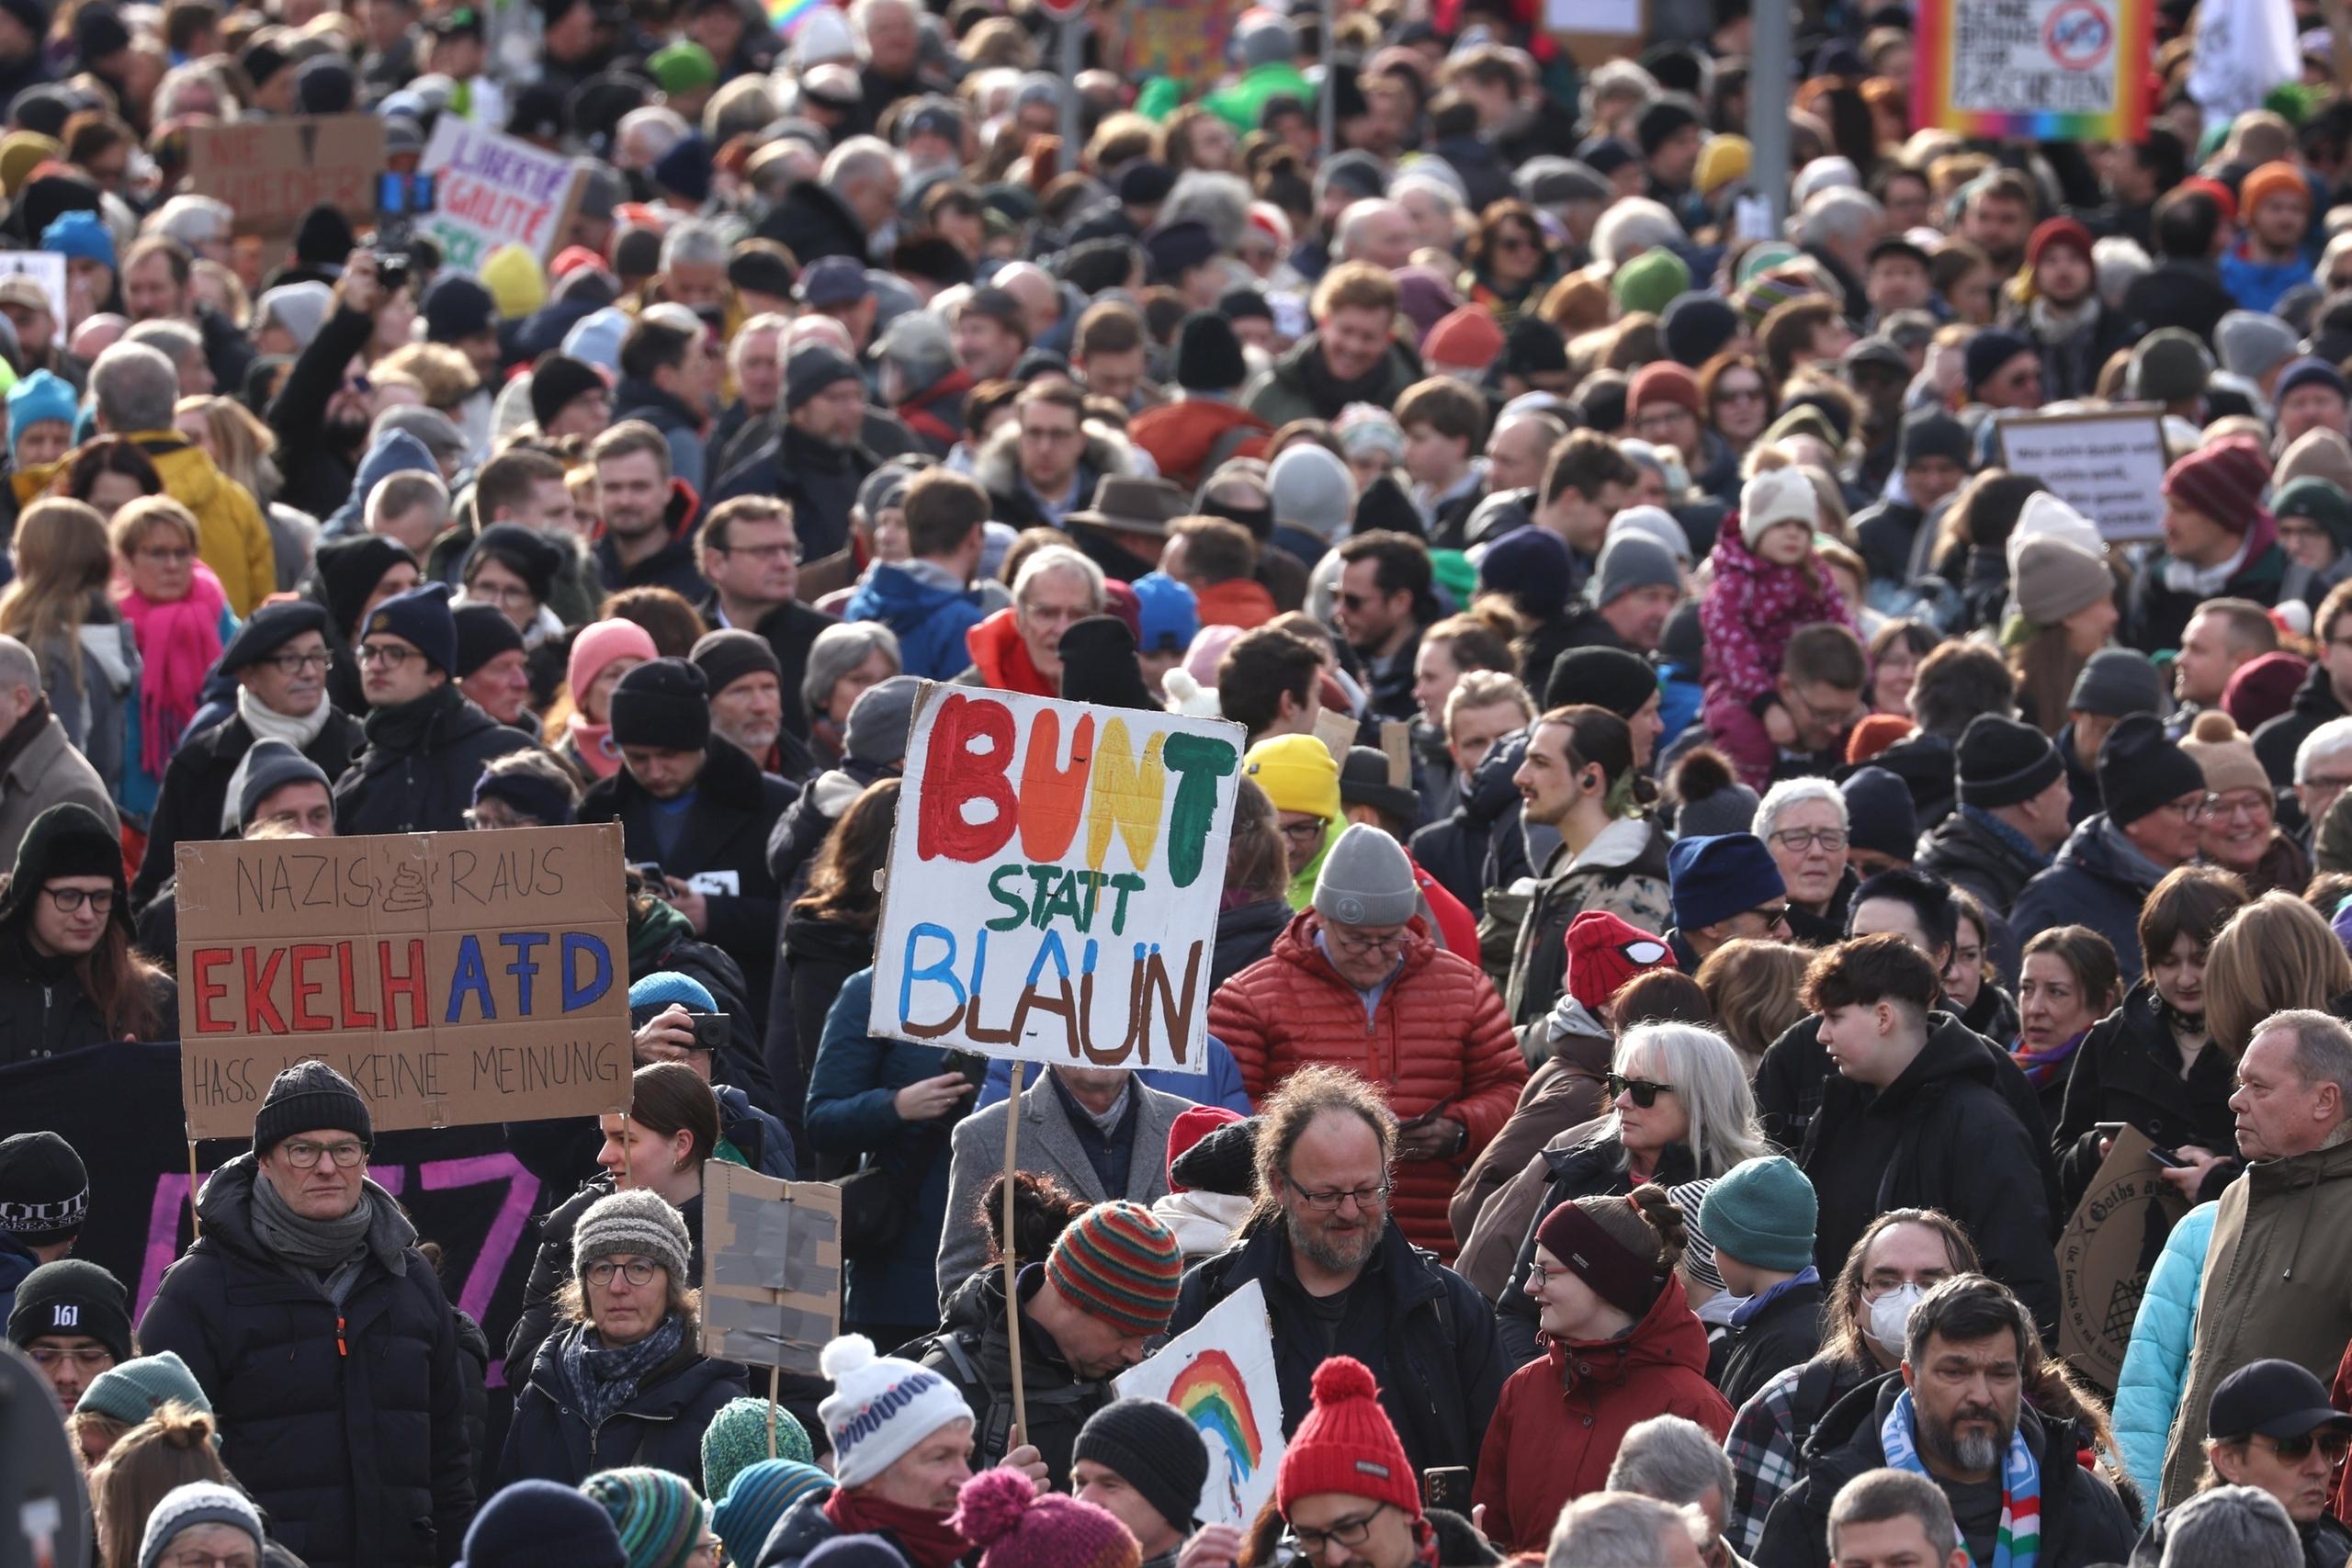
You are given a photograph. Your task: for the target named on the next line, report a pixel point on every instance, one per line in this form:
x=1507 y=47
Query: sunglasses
x=1644 y=1092
x=2294 y=1450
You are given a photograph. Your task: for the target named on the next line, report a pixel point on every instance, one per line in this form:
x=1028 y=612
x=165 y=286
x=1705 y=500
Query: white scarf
x=268 y=724
x=2187 y=577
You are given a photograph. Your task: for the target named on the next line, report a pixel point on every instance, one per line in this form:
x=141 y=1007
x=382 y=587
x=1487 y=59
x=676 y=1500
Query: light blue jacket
x=2155 y=1367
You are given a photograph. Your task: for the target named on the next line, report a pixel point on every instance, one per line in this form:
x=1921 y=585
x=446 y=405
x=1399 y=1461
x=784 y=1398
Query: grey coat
x=1050 y=1147
x=47 y=773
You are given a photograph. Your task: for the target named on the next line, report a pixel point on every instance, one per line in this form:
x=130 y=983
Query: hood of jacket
x=998 y=467
x=1668 y=1334
x=1489 y=791
x=1002 y=658
x=225 y=1205
x=2098 y=848
x=1625 y=842
x=814 y=936
x=1953 y=1054
x=2315 y=698
x=891 y=591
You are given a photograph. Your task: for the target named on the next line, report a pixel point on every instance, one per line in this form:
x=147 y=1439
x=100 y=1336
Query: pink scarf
x=594 y=742
x=178 y=645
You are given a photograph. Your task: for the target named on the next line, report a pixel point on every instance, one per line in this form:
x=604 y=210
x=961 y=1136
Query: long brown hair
x=840 y=885
x=122 y=982
x=1841 y=1327
x=2046 y=669
x=170 y=1448
x=63 y=564
x=1255 y=861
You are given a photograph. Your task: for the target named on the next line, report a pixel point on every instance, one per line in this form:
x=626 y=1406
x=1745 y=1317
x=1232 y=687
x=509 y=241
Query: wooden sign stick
x=1012 y=1292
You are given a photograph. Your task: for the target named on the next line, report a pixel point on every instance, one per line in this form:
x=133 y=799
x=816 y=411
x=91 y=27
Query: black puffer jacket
x=195 y=788
x=423 y=760
x=661 y=1426
x=1244 y=934
x=347 y=1426
x=2128 y=1069
x=973 y=1351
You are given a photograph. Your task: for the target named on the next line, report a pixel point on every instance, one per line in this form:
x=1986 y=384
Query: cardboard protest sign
x=771 y=1267
x=272 y=171
x=2108 y=465
x=454 y=977
x=48 y=269
x=1054 y=879
x=492 y=190
x=2105 y=1253
x=1182 y=39
x=2046 y=70
x=1220 y=1374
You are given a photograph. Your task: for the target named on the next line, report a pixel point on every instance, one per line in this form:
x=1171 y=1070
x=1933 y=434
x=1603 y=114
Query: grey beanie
x=2253 y=343
x=2116 y=681
x=1366 y=880
x=1310 y=489
x=635 y=1221
x=1658 y=523
x=921 y=346
x=879 y=720
x=1634 y=560
x=299 y=307
x=1731 y=810
x=197 y=1503
x=1355 y=171
x=270 y=765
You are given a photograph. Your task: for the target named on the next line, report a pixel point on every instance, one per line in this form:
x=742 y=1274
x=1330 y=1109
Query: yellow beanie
x=1298 y=774
x=1722 y=160
x=21 y=152
x=515 y=281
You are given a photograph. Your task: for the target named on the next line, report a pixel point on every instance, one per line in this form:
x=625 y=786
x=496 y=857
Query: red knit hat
x=2263 y=688
x=1663 y=383
x=2220 y=195
x=1347 y=1445
x=1464 y=339
x=2057 y=231
x=1874 y=735
x=1605 y=952
x=1118 y=1263
x=2223 y=480
x=1189 y=1128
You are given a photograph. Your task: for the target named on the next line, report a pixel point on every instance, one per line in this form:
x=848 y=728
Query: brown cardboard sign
x=454 y=977
x=771 y=1267
x=272 y=171
x=1337 y=733
x=2105 y=1253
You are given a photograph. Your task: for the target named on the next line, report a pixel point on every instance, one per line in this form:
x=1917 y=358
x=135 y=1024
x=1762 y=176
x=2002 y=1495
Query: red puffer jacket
x=1438 y=1041
x=1561 y=1420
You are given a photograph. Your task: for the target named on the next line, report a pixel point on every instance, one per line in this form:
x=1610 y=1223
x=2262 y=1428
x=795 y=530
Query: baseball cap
x=2276 y=1398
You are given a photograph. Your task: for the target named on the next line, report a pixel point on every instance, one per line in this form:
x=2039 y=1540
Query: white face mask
x=1890 y=1313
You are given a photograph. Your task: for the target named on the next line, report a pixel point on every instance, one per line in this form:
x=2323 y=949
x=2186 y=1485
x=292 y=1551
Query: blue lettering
x=471 y=976
x=525 y=968
x=942 y=972
x=1051 y=948
x=578 y=993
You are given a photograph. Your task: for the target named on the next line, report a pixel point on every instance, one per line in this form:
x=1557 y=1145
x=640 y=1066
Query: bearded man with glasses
x=321 y=1336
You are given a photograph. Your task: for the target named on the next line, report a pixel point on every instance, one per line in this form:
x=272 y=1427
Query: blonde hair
x=242 y=446
x=1751 y=987
x=140 y=517
x=170 y=1448
x=63 y=563
x=2275 y=955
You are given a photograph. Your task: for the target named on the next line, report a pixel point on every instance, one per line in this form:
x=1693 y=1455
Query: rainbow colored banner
x=786 y=16
x=2040 y=70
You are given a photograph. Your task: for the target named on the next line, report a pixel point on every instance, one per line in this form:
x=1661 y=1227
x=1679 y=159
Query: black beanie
x=556 y=380
x=1661 y=121
x=349 y=570
x=726 y=656
x=271 y=627
x=1224 y=1161
x=420 y=617
x=1244 y=304
x=483 y=633
x=1533 y=346
x=2141 y=770
x=44 y=1189
x=1099 y=666
x=270 y=765
x=305 y=1098
x=1208 y=355
x=1384 y=506
x=2003 y=762
x=73 y=1296
x=521 y=551
x=1154 y=1447
x=1931 y=433
x=67 y=840
x=324 y=237
x=663 y=703
x=1610 y=677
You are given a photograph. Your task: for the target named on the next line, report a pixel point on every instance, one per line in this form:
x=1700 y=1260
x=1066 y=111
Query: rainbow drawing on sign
x=2050 y=71
x=1211 y=1393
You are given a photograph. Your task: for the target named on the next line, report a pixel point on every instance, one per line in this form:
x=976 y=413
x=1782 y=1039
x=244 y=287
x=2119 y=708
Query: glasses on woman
x=303 y=1154
x=163 y=556
x=69 y=899
x=636 y=1270
x=1642 y=1091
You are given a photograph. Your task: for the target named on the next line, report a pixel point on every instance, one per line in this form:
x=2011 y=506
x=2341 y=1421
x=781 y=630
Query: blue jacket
x=2258 y=286
x=2155 y=1367
x=930 y=619
x=1221 y=1085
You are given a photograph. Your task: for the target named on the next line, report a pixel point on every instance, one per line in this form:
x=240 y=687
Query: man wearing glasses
x=322 y=1336
x=73 y=1319
x=2272 y=1426
x=1347 y=1489
x=279 y=659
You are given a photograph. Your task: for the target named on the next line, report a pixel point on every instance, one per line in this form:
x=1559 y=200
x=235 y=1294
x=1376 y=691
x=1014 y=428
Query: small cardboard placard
x=771 y=1267
x=270 y=172
x=453 y=978
x=1337 y=733
x=1220 y=1374
x=2105 y=1253
x=1054 y=880
x=2110 y=464
x=48 y=269
x=1182 y=39
x=492 y=190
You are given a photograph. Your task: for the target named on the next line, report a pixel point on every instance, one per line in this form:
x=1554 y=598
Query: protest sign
x=492 y=190
x=1054 y=879
x=46 y=268
x=1595 y=31
x=2046 y=70
x=454 y=977
x=270 y=172
x=2108 y=465
x=771 y=1267
x=1182 y=39
x=1220 y=1374
x=2105 y=1253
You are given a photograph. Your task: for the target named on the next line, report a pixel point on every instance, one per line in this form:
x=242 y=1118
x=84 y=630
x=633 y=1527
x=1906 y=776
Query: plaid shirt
x=1764 y=1460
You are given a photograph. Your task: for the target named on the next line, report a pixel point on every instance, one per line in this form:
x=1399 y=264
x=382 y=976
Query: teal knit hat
x=131 y=1391
x=1650 y=282
x=737 y=1439
x=657 y=1515
x=2319 y=499
x=760 y=1496
x=1761 y=1212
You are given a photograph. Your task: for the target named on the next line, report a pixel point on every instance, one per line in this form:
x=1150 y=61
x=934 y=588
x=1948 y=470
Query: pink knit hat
x=601 y=642
x=1208 y=646
x=1001 y=1512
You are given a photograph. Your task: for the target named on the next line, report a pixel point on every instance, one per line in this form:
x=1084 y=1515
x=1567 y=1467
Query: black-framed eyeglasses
x=318 y=661
x=1347 y=1532
x=1326 y=1202
x=1301 y=834
x=69 y=899
x=1642 y=1091
x=636 y=1270
x=391 y=655
x=303 y=1154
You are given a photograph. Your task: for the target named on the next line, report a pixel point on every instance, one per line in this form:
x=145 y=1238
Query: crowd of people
x=1723 y=866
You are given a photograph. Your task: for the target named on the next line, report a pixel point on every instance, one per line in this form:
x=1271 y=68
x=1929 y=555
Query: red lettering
x=411 y=985
x=1053 y=797
x=202 y=962
x=955 y=775
x=352 y=1017
x=306 y=990
x=262 y=1016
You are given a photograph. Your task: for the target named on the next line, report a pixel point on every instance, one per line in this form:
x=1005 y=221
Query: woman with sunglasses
x=69 y=976
x=1509 y=264
x=1737 y=396
x=1680 y=1111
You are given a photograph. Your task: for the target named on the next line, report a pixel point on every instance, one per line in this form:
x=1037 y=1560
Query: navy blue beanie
x=422 y=618
x=543 y=1524
x=1715 y=878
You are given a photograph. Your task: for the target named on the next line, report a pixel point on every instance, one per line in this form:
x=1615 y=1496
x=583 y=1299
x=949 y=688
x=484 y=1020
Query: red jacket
x=1002 y=658
x=1438 y=1041
x=1182 y=436
x=1242 y=602
x=1561 y=1420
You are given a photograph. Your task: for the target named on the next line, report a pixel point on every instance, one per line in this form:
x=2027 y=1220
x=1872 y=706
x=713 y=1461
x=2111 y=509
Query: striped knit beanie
x=657 y=1515
x=2223 y=480
x=737 y=1439
x=197 y=1503
x=760 y=1496
x=634 y=1221
x=1118 y=1263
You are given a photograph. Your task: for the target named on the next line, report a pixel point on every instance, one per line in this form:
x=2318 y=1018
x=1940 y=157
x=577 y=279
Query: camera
x=713 y=1031
x=399 y=199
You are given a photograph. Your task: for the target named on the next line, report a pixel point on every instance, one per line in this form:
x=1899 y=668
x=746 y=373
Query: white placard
x=2108 y=465
x=1220 y=1374
x=492 y=190
x=48 y=270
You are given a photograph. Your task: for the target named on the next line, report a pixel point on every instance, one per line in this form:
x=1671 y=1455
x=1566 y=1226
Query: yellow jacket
x=231 y=536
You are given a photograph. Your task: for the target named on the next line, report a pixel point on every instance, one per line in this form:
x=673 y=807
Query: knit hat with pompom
x=881 y=1406
x=1347 y=1444
x=1001 y=1512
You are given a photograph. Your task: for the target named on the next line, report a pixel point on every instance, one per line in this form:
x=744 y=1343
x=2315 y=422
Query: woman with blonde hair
x=58 y=607
x=246 y=449
x=180 y=613
x=2274 y=955
x=1751 y=987
x=170 y=1448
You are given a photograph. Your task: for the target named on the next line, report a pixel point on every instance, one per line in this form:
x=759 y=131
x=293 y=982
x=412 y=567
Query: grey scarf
x=601 y=1377
x=332 y=1250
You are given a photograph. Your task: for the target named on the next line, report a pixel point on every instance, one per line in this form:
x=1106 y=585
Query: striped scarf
x=2020 y=1538
x=2042 y=1068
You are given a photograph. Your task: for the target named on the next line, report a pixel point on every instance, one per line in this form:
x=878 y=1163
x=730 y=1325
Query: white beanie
x=197 y=1503
x=1777 y=495
x=880 y=1408
x=2045 y=515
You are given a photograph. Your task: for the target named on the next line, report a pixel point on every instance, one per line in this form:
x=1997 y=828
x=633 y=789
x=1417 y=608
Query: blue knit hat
x=657 y=991
x=43 y=395
x=1762 y=1212
x=1170 y=614
x=1713 y=879
x=542 y=1524
x=79 y=234
x=421 y=617
x=760 y=1496
x=657 y=1514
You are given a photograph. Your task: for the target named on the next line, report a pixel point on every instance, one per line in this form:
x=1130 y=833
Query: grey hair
x=1795 y=792
x=2232 y=1526
x=766 y=322
x=194 y=220
x=695 y=243
x=2325 y=744
x=840 y=649
x=174 y=340
x=861 y=9
x=1838 y=213
x=2323 y=1046
x=135 y=387
x=1672 y=1459
x=1206 y=195
x=1059 y=558
x=1618 y=1529
x=18 y=668
x=180 y=78
x=658 y=129
x=1353 y=221
x=1617 y=76
x=1709 y=1080
x=1631 y=226
x=1422 y=179
x=741 y=108
x=1876 y=1495
x=2119 y=262
x=859 y=158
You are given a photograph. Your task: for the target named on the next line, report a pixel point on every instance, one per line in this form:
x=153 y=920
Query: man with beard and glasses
x=1341 y=1278
x=1955 y=1412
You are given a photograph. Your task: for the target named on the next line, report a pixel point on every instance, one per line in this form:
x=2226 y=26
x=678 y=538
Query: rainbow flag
x=786 y=16
x=2045 y=70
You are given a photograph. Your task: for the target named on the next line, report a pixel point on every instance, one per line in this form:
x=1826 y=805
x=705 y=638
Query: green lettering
x=1198 y=763
x=1127 y=881
x=1009 y=898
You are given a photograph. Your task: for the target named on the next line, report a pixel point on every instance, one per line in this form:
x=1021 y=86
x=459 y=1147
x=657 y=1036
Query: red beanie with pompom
x=1347 y=1445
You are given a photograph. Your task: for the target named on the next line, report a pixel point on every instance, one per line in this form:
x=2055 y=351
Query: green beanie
x=2322 y=501
x=1762 y=1212
x=1651 y=282
x=737 y=1439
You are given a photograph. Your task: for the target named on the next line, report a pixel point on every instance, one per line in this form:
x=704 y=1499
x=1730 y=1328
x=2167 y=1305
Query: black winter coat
x=421 y=760
x=2128 y=1069
x=348 y=1426
x=45 y=1011
x=196 y=789
x=813 y=223
x=2276 y=740
x=1595 y=1168
x=551 y=1266
x=820 y=479
x=2092 y=880
x=973 y=1351
x=319 y=470
x=2154 y=615
x=1456 y=851
x=1244 y=934
x=1786 y=1334
x=661 y=1426
x=820 y=955
x=1425 y=1331
x=1965 y=853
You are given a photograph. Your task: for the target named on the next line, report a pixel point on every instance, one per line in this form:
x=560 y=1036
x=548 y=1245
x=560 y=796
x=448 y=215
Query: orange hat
x=2280 y=178
x=1874 y=735
x=1467 y=339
